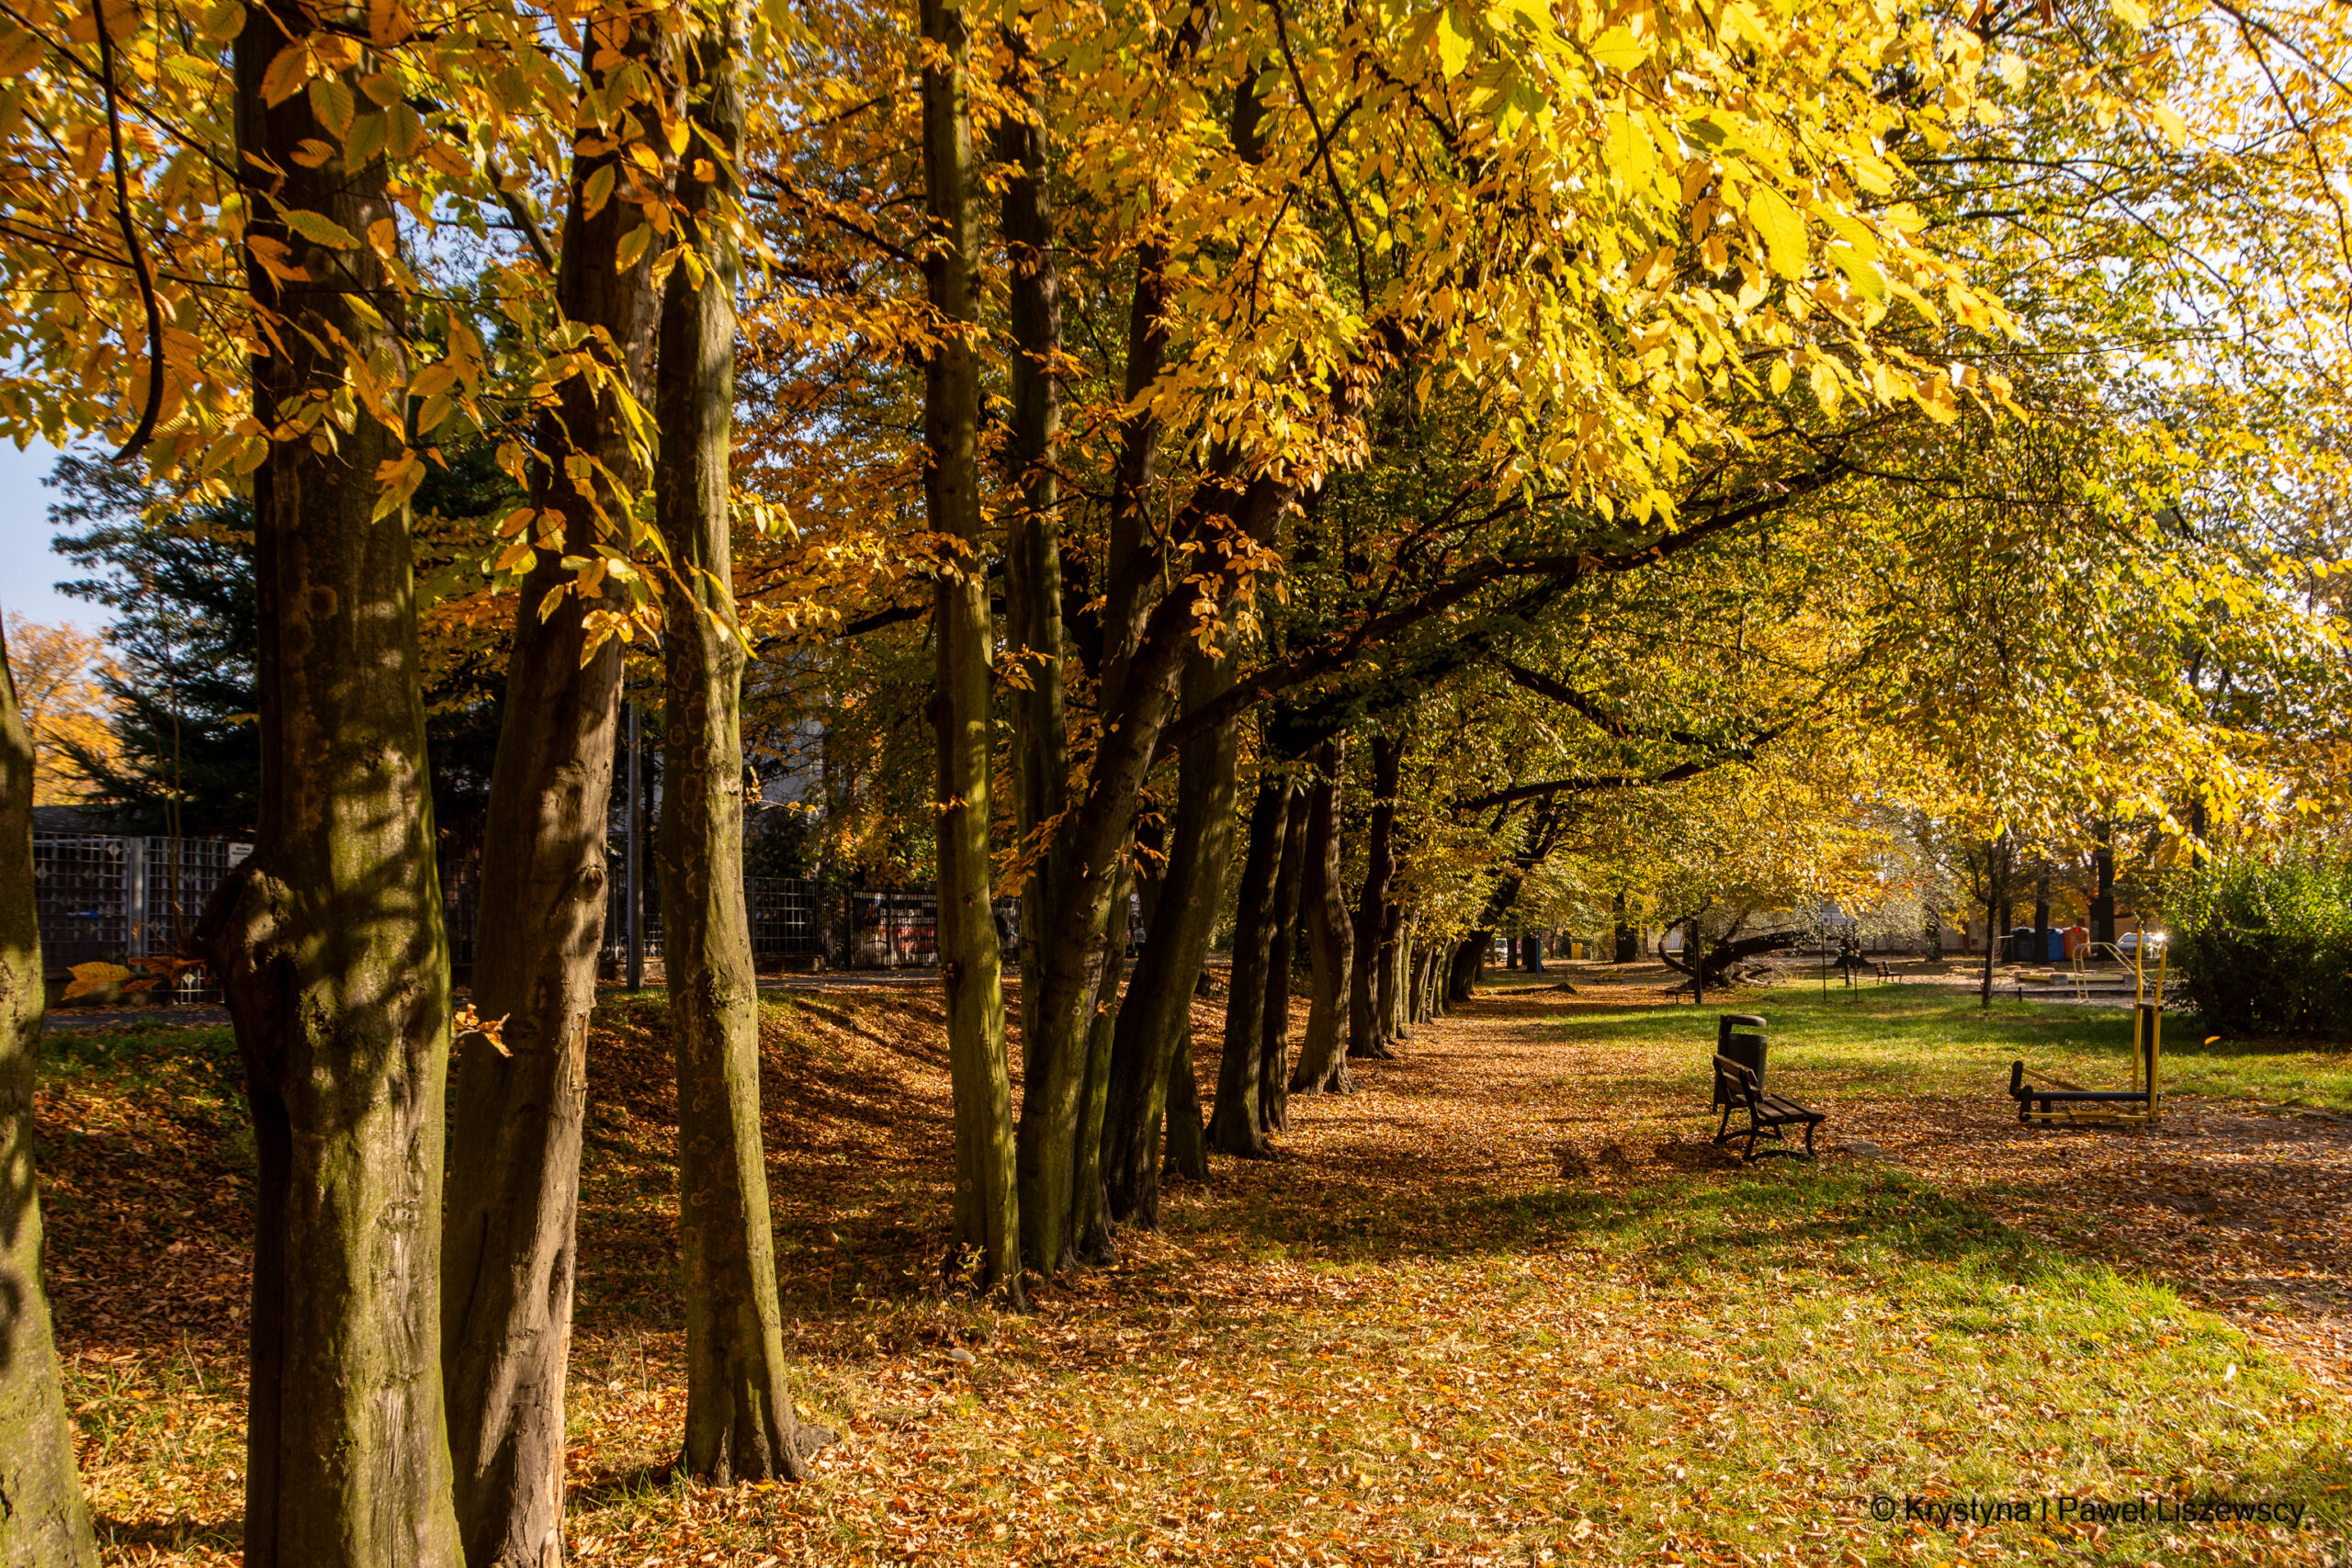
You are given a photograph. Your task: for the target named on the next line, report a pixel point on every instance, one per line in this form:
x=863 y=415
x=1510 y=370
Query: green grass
x=1931 y=1040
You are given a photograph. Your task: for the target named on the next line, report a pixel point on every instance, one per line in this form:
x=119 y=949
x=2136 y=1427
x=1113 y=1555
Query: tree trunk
x=1323 y=1057
x=740 y=1421
x=1468 y=964
x=1627 y=947
x=1531 y=948
x=1997 y=895
x=2102 y=910
x=988 y=1217
x=2042 y=915
x=1395 y=989
x=513 y=1204
x=1090 y=1217
x=1282 y=941
x=1188 y=1149
x=1235 y=1126
x=1374 y=937
x=1155 y=1019
x=1033 y=527
x=328 y=940
x=43 y=1521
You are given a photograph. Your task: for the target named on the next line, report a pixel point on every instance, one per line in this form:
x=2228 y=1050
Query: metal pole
x=632 y=878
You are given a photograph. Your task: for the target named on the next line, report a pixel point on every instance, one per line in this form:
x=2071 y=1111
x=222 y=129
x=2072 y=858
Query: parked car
x=2128 y=945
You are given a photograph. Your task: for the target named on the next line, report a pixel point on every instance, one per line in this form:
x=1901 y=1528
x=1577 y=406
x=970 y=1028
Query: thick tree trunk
x=1374 y=909
x=514 y=1190
x=43 y=1521
x=1033 y=527
x=1330 y=938
x=1235 y=1126
x=1530 y=952
x=1156 y=1019
x=1274 y=1059
x=328 y=940
x=1627 y=948
x=988 y=1217
x=740 y=1421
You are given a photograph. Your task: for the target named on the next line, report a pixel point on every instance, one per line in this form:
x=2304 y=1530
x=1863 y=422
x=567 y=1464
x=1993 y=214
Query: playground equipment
x=2049 y=1097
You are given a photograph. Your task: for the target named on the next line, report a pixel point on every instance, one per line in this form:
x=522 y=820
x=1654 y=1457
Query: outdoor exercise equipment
x=2049 y=1099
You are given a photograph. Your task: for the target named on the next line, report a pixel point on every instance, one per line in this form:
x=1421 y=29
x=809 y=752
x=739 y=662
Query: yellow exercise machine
x=2142 y=1104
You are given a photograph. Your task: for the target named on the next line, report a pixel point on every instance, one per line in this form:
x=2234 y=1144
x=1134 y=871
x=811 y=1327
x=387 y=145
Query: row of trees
x=1649 y=450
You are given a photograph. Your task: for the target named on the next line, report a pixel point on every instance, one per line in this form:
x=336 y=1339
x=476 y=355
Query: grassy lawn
x=1424 y=1334
x=1937 y=1040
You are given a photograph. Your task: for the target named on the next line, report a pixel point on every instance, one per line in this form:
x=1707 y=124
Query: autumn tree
x=45 y=1524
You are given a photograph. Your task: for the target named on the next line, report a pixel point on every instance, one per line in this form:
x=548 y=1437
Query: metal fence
x=105 y=898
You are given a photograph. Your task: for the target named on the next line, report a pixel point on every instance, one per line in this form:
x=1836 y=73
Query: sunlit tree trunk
x=509 y=1222
x=1330 y=938
x=1366 y=1036
x=739 y=1422
x=43 y=1521
x=1282 y=944
x=328 y=940
x=988 y=1228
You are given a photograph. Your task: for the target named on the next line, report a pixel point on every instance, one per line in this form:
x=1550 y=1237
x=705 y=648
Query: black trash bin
x=1739 y=1037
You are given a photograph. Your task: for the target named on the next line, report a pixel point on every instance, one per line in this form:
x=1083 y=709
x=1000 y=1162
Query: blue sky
x=28 y=567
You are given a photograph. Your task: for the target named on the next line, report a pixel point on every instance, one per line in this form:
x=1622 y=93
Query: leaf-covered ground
x=1503 y=1304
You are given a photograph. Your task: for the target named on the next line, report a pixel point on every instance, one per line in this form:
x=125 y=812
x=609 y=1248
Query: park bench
x=1737 y=1086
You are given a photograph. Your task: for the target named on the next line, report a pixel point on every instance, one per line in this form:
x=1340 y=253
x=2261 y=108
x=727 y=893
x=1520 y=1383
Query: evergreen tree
x=180 y=586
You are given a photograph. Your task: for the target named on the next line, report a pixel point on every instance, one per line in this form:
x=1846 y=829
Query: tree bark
x=1323 y=1057
x=43 y=1520
x=1996 y=893
x=1395 y=980
x=511 y=1208
x=739 y=1422
x=2102 y=910
x=1235 y=1126
x=1188 y=1149
x=1627 y=947
x=328 y=940
x=1366 y=1036
x=1155 y=1019
x=987 y=1216
x=1469 y=963
x=1033 y=528
x=1274 y=1059
x=2041 y=914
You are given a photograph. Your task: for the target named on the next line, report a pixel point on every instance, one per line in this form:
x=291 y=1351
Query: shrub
x=2266 y=947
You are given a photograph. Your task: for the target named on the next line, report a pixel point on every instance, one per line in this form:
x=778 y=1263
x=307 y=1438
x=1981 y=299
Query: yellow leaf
x=1617 y=49
x=319 y=228
x=284 y=77
x=598 y=191
x=1782 y=374
x=332 y=101
x=1782 y=231
x=20 y=51
x=2131 y=13
x=1453 y=48
x=632 y=246
x=89 y=977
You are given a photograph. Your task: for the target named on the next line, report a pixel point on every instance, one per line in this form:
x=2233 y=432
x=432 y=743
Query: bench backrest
x=1737 y=1083
x=1748 y=1051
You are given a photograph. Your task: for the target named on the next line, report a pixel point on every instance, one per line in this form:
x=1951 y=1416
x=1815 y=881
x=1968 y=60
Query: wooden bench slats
x=1738 y=1085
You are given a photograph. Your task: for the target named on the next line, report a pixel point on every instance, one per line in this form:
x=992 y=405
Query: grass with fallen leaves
x=1505 y=1304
